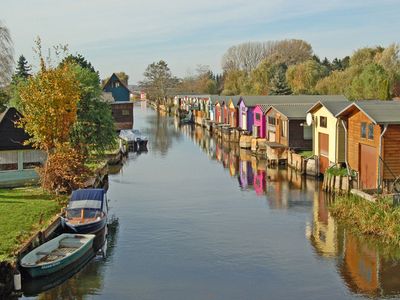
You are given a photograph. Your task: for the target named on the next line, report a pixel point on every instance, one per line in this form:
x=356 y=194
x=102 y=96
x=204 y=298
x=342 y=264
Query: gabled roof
x=252 y=101
x=294 y=111
x=119 y=80
x=333 y=107
x=379 y=111
x=12 y=137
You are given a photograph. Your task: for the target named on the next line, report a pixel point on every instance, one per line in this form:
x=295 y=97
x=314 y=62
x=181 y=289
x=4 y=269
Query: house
x=247 y=104
x=225 y=110
x=259 y=124
x=328 y=133
x=372 y=142
x=217 y=112
x=119 y=90
x=233 y=111
x=17 y=160
x=116 y=92
x=286 y=125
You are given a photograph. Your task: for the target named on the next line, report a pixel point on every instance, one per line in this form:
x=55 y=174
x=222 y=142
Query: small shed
x=286 y=125
x=373 y=139
x=328 y=133
x=259 y=124
x=17 y=160
x=233 y=111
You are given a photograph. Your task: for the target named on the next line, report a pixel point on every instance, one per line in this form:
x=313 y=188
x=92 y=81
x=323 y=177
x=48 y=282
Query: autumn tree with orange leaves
x=49 y=104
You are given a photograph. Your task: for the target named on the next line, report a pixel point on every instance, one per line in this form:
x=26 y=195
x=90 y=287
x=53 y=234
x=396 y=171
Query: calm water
x=201 y=220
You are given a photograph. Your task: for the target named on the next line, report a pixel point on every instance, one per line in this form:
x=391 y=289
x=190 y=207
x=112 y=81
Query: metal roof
x=379 y=111
x=254 y=100
x=295 y=111
x=333 y=107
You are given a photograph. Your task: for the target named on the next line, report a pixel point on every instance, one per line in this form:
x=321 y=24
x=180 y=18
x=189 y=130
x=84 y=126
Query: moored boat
x=57 y=254
x=86 y=212
x=134 y=139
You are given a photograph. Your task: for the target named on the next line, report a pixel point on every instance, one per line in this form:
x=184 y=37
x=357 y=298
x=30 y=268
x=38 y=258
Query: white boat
x=57 y=254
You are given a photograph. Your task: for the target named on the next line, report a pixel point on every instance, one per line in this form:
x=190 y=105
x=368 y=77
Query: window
x=271 y=120
x=323 y=122
x=8 y=160
x=284 y=128
x=258 y=117
x=33 y=158
x=364 y=130
x=125 y=112
x=370 y=131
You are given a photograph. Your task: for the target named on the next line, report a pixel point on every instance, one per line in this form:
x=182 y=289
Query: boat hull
x=48 y=269
x=92 y=227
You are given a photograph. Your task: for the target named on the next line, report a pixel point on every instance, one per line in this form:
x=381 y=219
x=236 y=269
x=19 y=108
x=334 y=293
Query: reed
x=379 y=219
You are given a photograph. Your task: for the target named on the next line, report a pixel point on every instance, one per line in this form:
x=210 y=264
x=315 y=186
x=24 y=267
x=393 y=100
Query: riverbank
x=377 y=219
x=24 y=211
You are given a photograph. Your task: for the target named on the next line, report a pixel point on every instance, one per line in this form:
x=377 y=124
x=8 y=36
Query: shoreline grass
x=24 y=211
x=376 y=219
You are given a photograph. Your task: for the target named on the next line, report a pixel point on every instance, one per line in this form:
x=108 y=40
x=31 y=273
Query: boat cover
x=87 y=198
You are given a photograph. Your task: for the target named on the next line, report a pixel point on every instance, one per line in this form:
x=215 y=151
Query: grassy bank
x=22 y=212
x=378 y=219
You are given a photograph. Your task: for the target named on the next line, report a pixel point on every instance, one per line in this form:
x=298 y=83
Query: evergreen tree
x=23 y=68
x=279 y=84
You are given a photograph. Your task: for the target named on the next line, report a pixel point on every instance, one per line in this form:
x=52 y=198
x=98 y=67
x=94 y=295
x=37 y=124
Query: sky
x=128 y=35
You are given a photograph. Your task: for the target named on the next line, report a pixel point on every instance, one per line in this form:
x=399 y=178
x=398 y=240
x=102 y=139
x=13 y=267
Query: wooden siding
x=279 y=119
x=355 y=139
x=123 y=115
x=391 y=152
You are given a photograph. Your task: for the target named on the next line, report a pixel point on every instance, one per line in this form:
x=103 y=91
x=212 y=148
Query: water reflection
x=366 y=268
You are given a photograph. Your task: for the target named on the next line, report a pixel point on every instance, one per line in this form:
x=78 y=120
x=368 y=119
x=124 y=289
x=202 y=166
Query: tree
x=279 y=85
x=94 y=128
x=65 y=171
x=158 y=80
x=302 y=78
x=291 y=52
x=23 y=68
x=372 y=83
x=336 y=83
x=4 y=99
x=6 y=55
x=49 y=102
x=80 y=60
x=233 y=82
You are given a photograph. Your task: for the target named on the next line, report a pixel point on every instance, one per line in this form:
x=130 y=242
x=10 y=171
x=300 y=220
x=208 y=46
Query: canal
x=196 y=219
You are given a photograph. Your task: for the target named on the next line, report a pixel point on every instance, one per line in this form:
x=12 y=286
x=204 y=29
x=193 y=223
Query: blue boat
x=86 y=212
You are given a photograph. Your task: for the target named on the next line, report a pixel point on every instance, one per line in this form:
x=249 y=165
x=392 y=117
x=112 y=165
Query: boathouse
x=259 y=124
x=117 y=93
x=17 y=160
x=233 y=111
x=328 y=133
x=247 y=104
x=286 y=125
x=372 y=142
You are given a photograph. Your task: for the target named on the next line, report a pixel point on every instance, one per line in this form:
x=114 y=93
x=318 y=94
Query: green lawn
x=22 y=212
x=306 y=154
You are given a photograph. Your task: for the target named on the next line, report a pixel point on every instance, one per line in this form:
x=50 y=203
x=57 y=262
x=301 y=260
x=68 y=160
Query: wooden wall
x=354 y=138
x=391 y=151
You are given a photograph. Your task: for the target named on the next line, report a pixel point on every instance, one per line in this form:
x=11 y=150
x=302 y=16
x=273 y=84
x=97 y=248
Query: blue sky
x=122 y=35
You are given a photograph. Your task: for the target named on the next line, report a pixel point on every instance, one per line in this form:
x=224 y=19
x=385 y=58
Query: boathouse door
x=244 y=121
x=323 y=141
x=368 y=167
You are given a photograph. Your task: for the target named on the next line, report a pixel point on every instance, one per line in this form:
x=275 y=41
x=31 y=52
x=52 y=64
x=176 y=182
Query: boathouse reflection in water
x=366 y=267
